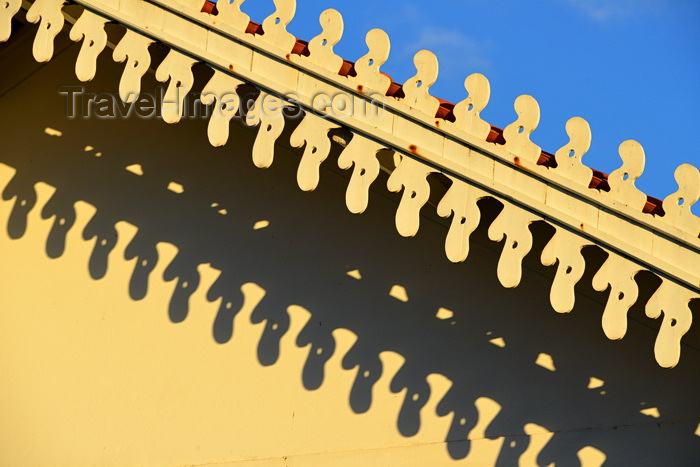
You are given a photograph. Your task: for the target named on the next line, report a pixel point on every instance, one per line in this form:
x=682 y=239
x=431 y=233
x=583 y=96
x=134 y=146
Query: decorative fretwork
x=410 y=124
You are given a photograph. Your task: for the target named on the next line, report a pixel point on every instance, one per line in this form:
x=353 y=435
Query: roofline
x=481 y=160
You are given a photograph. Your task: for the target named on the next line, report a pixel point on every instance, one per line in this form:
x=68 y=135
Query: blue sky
x=629 y=67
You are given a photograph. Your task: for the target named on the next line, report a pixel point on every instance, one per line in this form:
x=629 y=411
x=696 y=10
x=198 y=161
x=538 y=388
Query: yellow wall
x=101 y=365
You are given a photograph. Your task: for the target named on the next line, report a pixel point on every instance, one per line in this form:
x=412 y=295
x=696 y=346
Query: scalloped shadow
x=302 y=258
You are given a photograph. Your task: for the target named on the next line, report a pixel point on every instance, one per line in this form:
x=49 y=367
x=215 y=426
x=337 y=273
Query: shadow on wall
x=447 y=319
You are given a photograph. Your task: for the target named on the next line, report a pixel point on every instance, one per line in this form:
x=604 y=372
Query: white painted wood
x=677 y=205
x=617 y=273
x=185 y=29
x=49 y=11
x=585 y=213
x=146 y=14
x=91 y=29
x=234 y=56
x=618 y=227
x=493 y=150
x=283 y=78
x=417 y=88
x=410 y=175
x=565 y=249
x=133 y=48
x=460 y=202
x=369 y=79
x=8 y=9
x=231 y=15
x=512 y=224
x=221 y=91
x=677 y=254
x=467 y=111
x=361 y=155
x=517 y=134
x=271 y=126
x=671 y=301
x=177 y=68
x=312 y=133
x=421 y=140
x=321 y=47
x=569 y=156
x=275 y=26
x=621 y=181
x=522 y=180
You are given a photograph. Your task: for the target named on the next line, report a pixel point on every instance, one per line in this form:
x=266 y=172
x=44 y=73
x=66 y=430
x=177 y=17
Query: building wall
x=152 y=327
